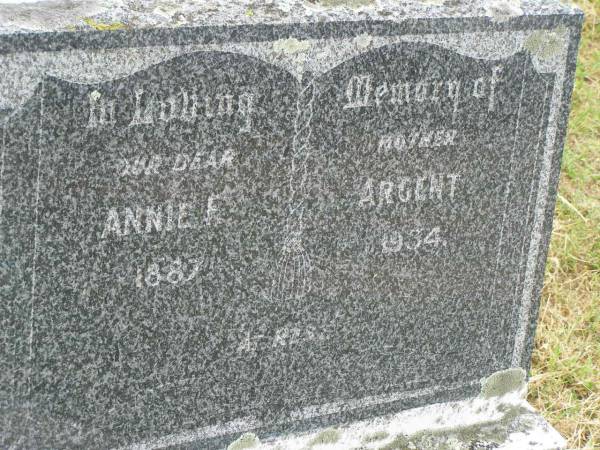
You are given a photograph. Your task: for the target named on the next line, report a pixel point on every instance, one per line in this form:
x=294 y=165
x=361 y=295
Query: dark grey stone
x=308 y=216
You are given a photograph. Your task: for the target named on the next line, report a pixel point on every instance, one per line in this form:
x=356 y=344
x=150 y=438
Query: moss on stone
x=377 y=436
x=400 y=442
x=247 y=440
x=328 y=436
x=503 y=382
x=105 y=26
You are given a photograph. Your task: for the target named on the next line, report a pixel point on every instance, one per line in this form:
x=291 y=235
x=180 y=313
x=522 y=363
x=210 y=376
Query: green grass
x=565 y=383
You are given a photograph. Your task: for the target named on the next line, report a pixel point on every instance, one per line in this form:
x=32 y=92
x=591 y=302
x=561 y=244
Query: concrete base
x=504 y=422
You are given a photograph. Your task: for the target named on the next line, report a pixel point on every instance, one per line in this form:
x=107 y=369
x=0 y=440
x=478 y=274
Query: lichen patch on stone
x=247 y=440
x=433 y=2
x=363 y=40
x=290 y=46
x=490 y=434
x=502 y=10
x=545 y=44
x=503 y=382
x=347 y=3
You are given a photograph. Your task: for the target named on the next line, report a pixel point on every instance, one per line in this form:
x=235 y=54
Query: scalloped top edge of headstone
x=110 y=15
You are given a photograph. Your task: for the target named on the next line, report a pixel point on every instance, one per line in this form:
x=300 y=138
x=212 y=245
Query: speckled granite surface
x=291 y=221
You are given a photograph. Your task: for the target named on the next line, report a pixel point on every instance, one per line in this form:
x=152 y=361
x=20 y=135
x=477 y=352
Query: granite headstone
x=230 y=216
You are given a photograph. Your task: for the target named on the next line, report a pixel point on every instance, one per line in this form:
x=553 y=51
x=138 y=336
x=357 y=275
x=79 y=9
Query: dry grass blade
x=565 y=382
